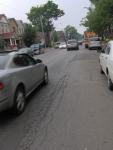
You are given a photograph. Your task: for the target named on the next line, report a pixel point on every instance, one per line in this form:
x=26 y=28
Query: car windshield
x=3 y=61
x=72 y=41
x=34 y=45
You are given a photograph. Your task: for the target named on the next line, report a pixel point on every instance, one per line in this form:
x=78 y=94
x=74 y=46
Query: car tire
x=110 y=84
x=19 y=101
x=101 y=70
x=46 y=77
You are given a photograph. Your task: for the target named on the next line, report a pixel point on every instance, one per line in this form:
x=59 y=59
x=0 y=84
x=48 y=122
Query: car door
x=39 y=71
x=37 y=68
x=24 y=73
x=106 y=57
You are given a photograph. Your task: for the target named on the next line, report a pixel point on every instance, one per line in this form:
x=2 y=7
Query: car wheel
x=46 y=78
x=19 y=101
x=110 y=84
x=101 y=70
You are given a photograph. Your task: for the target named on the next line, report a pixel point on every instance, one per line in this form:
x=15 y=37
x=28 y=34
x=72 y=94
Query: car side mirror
x=38 y=61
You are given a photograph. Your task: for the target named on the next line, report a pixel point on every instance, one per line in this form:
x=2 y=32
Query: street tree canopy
x=70 y=32
x=45 y=13
x=100 y=18
x=29 y=35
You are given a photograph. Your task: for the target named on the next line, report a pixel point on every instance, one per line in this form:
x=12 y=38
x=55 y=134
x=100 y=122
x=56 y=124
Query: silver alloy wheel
x=20 y=101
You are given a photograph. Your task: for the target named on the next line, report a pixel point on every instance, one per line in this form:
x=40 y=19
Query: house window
x=14 y=30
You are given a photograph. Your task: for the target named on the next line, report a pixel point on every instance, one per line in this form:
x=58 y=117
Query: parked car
x=72 y=45
x=27 y=51
x=62 y=45
x=106 y=63
x=20 y=74
x=57 y=44
x=95 y=43
x=36 y=49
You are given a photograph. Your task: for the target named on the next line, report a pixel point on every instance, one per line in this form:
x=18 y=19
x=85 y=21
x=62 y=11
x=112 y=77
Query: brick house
x=5 y=31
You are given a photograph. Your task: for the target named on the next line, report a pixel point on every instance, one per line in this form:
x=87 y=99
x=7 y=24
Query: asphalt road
x=74 y=112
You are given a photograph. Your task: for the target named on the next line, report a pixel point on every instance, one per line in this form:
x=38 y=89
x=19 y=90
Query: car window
x=23 y=60
x=30 y=60
x=107 y=49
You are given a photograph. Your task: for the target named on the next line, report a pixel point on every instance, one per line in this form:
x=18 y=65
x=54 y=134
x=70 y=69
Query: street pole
x=43 y=30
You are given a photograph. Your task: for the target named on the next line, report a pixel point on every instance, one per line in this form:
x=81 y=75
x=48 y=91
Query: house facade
x=21 y=29
x=5 y=31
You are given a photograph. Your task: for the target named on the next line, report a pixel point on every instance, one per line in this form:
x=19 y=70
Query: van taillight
x=1 y=86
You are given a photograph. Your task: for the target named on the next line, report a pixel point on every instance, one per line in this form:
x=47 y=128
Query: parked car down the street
x=95 y=43
x=62 y=45
x=36 y=49
x=72 y=45
x=20 y=74
x=57 y=44
x=26 y=51
x=106 y=63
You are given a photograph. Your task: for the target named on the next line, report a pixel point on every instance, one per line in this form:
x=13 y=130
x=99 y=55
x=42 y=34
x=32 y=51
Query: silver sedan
x=20 y=74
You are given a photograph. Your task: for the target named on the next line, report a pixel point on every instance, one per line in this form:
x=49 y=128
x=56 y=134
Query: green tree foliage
x=70 y=32
x=55 y=36
x=29 y=35
x=94 y=1
x=100 y=18
x=46 y=14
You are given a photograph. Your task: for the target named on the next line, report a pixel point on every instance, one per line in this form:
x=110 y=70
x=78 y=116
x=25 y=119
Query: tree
x=94 y=1
x=44 y=15
x=70 y=32
x=100 y=18
x=29 y=35
x=55 y=36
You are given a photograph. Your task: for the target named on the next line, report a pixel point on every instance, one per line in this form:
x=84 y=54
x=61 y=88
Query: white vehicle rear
x=95 y=43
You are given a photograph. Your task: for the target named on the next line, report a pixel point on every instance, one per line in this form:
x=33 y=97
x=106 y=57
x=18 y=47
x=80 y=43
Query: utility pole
x=43 y=30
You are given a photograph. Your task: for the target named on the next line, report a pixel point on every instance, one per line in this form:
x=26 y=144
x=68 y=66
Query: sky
x=74 y=11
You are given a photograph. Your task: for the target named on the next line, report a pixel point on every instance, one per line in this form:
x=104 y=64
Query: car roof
x=7 y=52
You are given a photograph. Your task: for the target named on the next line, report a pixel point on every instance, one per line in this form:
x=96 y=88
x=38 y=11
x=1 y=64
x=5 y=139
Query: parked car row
x=69 y=45
x=20 y=74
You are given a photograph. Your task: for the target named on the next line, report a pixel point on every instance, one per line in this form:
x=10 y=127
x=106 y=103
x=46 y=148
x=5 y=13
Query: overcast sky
x=74 y=10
